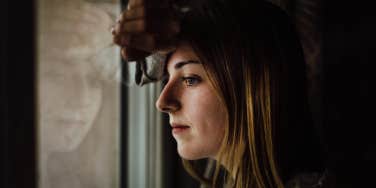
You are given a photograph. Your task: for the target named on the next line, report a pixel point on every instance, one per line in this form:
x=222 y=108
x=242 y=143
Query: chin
x=190 y=155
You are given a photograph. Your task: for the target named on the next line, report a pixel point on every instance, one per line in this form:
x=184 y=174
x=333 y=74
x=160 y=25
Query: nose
x=168 y=100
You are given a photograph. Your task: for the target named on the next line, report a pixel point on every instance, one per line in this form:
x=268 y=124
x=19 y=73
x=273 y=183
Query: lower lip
x=179 y=130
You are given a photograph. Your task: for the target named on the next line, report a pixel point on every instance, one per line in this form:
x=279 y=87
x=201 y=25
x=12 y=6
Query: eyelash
x=189 y=79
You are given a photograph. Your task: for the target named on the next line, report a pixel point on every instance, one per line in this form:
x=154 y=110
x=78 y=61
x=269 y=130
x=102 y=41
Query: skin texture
x=190 y=100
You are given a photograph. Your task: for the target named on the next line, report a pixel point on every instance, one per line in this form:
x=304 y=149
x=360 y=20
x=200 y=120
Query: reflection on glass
x=71 y=97
x=78 y=113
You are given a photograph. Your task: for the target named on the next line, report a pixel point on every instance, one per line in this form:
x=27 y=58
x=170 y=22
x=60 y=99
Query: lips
x=179 y=128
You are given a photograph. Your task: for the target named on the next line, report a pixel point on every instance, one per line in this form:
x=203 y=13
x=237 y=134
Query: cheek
x=208 y=115
x=215 y=120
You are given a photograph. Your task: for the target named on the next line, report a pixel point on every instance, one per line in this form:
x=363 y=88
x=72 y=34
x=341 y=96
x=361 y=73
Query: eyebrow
x=182 y=63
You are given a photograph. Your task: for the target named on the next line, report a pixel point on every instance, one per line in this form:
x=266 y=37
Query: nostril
x=166 y=109
x=168 y=106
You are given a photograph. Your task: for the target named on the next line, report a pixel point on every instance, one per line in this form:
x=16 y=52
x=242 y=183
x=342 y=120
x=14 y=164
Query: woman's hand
x=146 y=27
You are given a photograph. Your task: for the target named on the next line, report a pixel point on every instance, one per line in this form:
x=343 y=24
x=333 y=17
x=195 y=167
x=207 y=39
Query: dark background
x=348 y=52
x=17 y=95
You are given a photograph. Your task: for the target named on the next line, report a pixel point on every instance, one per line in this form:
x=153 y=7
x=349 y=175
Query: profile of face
x=70 y=88
x=197 y=115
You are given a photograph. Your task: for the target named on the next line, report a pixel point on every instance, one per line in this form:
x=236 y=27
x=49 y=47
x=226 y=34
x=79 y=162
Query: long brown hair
x=254 y=60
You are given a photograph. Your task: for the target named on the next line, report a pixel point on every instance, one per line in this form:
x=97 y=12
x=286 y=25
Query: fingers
x=131 y=21
x=141 y=31
x=121 y=40
x=135 y=26
x=139 y=19
x=134 y=3
x=132 y=14
x=157 y=27
x=135 y=16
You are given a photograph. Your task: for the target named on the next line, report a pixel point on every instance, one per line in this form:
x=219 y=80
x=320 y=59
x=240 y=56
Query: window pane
x=78 y=94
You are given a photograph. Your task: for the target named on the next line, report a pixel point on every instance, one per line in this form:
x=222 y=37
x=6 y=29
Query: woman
x=237 y=94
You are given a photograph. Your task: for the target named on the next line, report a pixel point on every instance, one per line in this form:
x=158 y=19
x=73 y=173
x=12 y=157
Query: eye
x=191 y=80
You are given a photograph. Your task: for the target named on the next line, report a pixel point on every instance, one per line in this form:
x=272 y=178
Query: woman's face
x=197 y=116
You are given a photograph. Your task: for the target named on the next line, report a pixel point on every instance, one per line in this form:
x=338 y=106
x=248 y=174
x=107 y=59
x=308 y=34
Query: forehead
x=183 y=52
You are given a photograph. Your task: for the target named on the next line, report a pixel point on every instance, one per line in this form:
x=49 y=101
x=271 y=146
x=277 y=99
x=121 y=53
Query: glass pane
x=78 y=94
